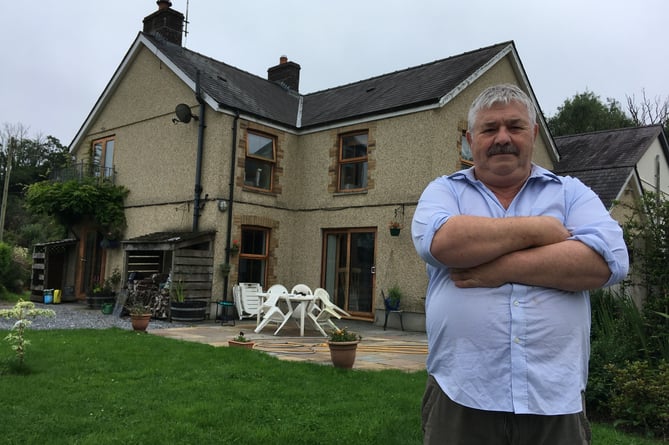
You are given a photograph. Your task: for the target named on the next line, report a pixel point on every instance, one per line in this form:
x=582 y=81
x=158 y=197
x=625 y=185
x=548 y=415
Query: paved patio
x=379 y=349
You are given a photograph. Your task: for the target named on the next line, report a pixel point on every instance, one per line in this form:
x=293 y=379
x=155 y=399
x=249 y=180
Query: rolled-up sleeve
x=433 y=210
x=590 y=223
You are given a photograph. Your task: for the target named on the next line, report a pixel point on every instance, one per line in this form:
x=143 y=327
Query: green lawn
x=120 y=387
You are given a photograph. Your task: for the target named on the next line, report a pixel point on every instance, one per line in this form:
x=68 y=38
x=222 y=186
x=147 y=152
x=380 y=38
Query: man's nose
x=502 y=136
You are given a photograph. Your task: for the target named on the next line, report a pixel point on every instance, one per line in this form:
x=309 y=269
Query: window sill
x=259 y=191
x=349 y=193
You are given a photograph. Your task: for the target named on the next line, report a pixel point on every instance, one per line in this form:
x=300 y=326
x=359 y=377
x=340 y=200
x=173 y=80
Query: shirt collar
x=538 y=174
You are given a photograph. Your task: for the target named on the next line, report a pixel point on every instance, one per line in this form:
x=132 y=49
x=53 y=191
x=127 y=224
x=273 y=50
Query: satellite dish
x=183 y=113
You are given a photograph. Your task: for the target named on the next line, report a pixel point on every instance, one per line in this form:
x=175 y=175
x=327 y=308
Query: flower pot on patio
x=140 y=321
x=342 y=353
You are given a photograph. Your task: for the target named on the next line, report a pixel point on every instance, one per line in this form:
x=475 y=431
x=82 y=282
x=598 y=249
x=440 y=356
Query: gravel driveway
x=79 y=316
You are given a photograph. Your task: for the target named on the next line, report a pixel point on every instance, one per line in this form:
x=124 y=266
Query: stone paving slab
x=379 y=349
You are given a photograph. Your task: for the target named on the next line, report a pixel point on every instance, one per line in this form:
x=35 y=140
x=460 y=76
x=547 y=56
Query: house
x=305 y=184
x=619 y=165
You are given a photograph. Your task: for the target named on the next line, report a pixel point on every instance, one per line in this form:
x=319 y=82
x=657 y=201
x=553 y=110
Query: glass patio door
x=91 y=262
x=349 y=259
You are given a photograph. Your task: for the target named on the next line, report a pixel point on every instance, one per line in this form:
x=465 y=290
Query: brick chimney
x=286 y=73
x=165 y=22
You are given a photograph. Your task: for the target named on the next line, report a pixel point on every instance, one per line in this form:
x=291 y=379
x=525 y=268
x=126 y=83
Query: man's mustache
x=506 y=149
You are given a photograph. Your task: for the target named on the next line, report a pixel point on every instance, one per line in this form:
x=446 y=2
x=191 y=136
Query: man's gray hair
x=503 y=93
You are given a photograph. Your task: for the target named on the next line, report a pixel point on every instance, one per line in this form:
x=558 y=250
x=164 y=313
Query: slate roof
x=604 y=160
x=236 y=89
x=169 y=237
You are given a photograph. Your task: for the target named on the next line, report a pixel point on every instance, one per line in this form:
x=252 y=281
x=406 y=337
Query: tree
x=32 y=160
x=649 y=112
x=585 y=113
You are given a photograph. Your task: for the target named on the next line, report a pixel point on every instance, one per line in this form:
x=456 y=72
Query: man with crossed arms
x=511 y=251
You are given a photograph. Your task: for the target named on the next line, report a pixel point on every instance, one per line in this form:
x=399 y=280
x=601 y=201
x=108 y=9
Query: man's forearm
x=467 y=241
x=569 y=265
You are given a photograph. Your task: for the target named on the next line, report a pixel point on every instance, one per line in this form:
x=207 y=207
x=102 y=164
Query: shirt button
x=516 y=303
x=516 y=340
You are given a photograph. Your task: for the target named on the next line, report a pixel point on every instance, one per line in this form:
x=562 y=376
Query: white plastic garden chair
x=323 y=310
x=300 y=289
x=272 y=312
x=249 y=300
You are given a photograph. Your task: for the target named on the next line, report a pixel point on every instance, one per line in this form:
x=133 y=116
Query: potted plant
x=225 y=269
x=183 y=309
x=343 y=345
x=94 y=297
x=394 y=297
x=234 y=248
x=138 y=305
x=240 y=341
x=395 y=227
x=140 y=315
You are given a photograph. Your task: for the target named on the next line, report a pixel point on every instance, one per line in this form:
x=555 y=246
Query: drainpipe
x=198 y=165
x=231 y=194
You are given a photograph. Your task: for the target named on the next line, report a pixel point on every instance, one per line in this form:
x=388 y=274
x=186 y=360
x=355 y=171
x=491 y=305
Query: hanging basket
x=395 y=231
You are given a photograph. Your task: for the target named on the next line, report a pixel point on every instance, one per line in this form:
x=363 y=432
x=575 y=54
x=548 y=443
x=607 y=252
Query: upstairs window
x=103 y=157
x=260 y=161
x=353 y=161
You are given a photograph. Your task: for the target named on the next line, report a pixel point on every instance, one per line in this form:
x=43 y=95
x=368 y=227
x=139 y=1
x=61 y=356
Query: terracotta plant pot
x=241 y=344
x=140 y=322
x=342 y=353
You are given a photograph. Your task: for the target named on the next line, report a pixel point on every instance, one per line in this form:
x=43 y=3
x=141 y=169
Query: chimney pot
x=283 y=59
x=163 y=4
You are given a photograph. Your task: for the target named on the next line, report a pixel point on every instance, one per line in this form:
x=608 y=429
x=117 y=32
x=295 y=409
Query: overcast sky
x=57 y=56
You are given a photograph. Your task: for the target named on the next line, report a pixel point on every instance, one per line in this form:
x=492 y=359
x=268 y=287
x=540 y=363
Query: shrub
x=640 y=397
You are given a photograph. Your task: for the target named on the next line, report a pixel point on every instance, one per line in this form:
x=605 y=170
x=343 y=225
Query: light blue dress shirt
x=514 y=348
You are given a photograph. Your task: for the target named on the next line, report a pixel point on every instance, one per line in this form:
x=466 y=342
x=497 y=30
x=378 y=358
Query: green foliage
x=394 y=296
x=77 y=201
x=632 y=342
x=647 y=237
x=640 y=398
x=14 y=268
x=21 y=312
x=178 y=291
x=585 y=113
x=344 y=335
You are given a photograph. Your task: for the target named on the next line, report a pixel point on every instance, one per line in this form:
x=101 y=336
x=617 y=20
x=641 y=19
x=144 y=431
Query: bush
x=14 y=268
x=640 y=397
x=617 y=337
